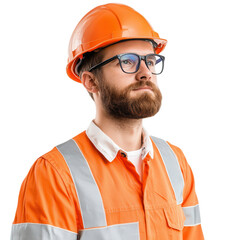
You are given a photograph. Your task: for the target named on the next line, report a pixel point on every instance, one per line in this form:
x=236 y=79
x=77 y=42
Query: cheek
x=154 y=80
x=116 y=78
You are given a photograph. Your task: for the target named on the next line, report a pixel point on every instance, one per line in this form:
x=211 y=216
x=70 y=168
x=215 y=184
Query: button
x=123 y=154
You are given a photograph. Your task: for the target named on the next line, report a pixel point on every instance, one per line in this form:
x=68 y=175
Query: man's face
x=132 y=96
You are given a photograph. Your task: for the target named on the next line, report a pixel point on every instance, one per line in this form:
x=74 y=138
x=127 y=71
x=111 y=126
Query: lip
x=143 y=88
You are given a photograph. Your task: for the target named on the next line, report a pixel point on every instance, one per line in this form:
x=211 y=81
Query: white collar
x=108 y=148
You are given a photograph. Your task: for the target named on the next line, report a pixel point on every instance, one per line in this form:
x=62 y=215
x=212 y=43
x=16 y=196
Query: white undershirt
x=135 y=157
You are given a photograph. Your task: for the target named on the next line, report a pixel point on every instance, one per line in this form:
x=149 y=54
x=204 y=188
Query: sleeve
x=192 y=226
x=45 y=207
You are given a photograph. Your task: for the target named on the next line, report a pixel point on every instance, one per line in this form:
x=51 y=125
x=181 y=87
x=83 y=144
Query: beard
x=119 y=104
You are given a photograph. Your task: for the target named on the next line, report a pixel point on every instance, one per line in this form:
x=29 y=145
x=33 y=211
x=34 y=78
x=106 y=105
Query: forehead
x=140 y=47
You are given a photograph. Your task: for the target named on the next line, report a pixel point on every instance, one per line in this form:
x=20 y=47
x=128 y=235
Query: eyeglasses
x=130 y=62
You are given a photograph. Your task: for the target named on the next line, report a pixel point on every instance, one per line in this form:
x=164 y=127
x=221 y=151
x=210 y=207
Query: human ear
x=89 y=81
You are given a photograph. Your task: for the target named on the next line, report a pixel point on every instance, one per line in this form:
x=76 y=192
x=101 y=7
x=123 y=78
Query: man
x=112 y=181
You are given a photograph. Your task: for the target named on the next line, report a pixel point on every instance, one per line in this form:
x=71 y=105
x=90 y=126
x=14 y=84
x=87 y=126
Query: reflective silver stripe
x=172 y=166
x=192 y=215
x=34 y=231
x=127 y=231
x=92 y=210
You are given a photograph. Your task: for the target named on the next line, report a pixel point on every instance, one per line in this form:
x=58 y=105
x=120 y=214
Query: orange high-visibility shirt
x=57 y=201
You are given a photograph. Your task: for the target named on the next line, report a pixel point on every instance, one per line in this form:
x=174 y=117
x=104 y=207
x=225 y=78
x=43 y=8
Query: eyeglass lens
x=130 y=63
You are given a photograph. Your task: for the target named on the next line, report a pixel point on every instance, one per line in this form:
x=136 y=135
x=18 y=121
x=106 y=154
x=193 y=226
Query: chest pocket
x=175 y=217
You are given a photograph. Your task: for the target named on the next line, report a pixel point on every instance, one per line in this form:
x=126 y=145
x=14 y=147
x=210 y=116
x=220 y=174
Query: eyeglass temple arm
x=102 y=63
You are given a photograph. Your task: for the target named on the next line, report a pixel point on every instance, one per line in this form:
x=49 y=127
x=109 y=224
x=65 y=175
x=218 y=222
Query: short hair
x=89 y=60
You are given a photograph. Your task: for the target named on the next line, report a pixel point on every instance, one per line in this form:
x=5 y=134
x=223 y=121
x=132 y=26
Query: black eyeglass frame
x=137 y=68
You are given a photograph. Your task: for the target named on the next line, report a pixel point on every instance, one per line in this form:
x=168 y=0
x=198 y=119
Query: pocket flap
x=175 y=217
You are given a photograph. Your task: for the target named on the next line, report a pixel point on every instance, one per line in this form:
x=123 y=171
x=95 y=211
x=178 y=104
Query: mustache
x=141 y=84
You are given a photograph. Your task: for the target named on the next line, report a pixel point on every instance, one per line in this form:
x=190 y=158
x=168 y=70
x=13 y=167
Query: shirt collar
x=110 y=149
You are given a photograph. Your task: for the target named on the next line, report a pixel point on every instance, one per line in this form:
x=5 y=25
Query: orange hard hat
x=105 y=25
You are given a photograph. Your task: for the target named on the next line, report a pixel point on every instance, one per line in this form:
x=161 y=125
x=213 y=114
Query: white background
x=41 y=107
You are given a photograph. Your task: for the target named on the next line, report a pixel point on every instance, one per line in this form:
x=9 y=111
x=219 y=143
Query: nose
x=143 y=73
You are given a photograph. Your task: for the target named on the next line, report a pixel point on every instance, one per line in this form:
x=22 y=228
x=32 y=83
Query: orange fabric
x=48 y=194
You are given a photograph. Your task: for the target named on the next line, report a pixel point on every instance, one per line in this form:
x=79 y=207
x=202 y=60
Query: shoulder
x=51 y=166
x=55 y=158
x=48 y=169
x=177 y=151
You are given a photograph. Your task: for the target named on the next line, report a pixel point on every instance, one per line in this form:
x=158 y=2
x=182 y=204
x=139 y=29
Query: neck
x=126 y=133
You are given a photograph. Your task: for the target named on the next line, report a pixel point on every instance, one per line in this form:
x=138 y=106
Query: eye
x=151 y=63
x=127 y=62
